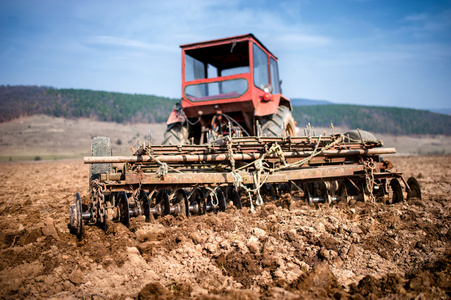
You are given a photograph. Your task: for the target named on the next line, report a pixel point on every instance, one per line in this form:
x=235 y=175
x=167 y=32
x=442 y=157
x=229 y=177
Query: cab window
x=275 y=82
x=261 y=76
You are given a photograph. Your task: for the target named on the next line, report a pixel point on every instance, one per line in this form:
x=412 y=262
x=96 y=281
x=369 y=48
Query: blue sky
x=370 y=52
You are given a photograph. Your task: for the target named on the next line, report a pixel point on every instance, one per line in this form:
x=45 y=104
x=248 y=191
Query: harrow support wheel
x=123 y=209
x=414 y=186
x=397 y=191
x=101 y=146
x=75 y=217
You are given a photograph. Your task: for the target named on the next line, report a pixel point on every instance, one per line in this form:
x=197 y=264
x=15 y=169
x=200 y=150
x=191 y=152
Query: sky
x=367 y=52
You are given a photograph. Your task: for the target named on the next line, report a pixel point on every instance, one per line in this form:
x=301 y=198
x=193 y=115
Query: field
x=286 y=250
x=42 y=137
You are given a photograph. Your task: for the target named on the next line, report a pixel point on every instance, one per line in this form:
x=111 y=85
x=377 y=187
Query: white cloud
x=127 y=43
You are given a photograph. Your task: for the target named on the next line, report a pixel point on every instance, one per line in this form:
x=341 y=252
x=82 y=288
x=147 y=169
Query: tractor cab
x=230 y=83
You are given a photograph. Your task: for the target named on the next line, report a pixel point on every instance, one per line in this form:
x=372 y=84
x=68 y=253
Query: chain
x=102 y=208
x=370 y=166
x=230 y=153
x=98 y=201
x=260 y=167
x=257 y=175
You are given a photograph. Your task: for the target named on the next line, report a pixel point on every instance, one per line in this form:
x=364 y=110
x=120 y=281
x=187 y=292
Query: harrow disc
x=123 y=209
x=181 y=199
x=309 y=198
x=268 y=189
x=221 y=200
x=145 y=205
x=414 y=186
x=343 y=193
x=234 y=196
x=197 y=199
x=397 y=191
x=75 y=216
x=163 y=201
x=283 y=188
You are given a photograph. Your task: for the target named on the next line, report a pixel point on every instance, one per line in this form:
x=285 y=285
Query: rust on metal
x=224 y=157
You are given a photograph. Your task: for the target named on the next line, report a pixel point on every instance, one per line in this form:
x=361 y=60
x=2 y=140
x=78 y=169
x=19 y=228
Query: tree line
x=392 y=120
x=18 y=101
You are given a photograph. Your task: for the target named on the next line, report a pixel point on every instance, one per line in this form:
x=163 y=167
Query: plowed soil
x=286 y=250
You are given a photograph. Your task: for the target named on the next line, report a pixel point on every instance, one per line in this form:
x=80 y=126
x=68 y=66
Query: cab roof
x=238 y=38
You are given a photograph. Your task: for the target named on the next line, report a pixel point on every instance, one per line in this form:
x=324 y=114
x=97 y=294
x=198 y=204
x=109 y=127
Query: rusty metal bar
x=224 y=157
x=326 y=172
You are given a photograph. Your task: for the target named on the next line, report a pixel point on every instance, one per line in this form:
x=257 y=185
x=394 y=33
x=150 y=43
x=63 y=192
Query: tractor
x=230 y=86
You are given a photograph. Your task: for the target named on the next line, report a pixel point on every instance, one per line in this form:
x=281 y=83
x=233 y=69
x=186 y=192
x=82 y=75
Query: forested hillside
x=391 y=120
x=17 y=101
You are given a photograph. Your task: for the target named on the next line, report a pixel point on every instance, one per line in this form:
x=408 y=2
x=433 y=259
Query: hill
x=305 y=102
x=445 y=111
x=20 y=101
x=392 y=120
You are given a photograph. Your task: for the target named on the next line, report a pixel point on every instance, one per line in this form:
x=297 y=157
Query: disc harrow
x=191 y=180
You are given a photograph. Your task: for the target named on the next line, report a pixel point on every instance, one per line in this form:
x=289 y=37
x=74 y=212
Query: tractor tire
x=279 y=124
x=354 y=136
x=101 y=146
x=176 y=134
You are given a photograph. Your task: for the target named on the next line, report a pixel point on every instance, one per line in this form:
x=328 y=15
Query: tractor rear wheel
x=176 y=134
x=279 y=124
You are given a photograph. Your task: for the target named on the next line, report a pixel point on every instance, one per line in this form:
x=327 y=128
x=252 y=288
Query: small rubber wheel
x=123 y=209
x=75 y=217
x=397 y=191
x=414 y=186
x=101 y=146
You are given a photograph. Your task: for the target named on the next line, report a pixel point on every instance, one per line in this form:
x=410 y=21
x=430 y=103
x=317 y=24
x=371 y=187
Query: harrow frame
x=206 y=177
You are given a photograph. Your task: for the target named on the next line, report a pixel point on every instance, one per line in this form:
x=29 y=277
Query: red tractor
x=230 y=87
